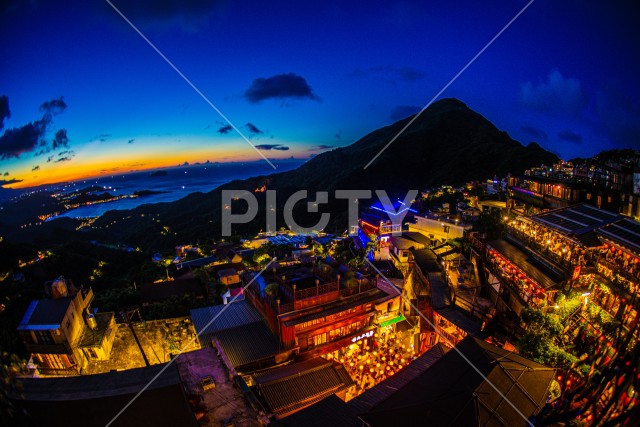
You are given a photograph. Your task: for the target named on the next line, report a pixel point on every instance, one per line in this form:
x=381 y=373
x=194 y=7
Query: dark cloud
x=162 y=15
x=223 y=130
x=338 y=135
x=389 y=73
x=31 y=137
x=55 y=106
x=269 y=147
x=320 y=147
x=6 y=174
x=570 y=136
x=101 y=137
x=558 y=94
x=35 y=168
x=534 y=132
x=24 y=139
x=253 y=129
x=50 y=159
x=4 y=110
x=403 y=111
x=64 y=159
x=131 y=141
x=4 y=182
x=60 y=139
x=280 y=86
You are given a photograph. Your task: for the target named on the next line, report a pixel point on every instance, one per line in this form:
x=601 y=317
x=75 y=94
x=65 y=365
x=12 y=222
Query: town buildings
x=63 y=334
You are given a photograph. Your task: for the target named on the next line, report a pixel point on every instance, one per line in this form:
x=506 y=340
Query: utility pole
x=127 y=316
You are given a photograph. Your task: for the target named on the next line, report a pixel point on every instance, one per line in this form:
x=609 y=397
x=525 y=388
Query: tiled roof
x=247 y=343
x=227 y=316
x=452 y=393
x=44 y=314
x=332 y=411
x=301 y=384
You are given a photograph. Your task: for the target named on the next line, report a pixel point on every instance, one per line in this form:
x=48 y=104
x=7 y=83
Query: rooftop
x=525 y=262
x=335 y=412
x=452 y=393
x=96 y=399
x=209 y=320
x=92 y=337
x=577 y=219
x=295 y=386
x=426 y=260
x=247 y=343
x=624 y=232
x=44 y=314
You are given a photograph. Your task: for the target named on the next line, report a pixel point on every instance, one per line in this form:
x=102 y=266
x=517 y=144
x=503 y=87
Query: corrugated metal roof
x=226 y=316
x=247 y=343
x=311 y=383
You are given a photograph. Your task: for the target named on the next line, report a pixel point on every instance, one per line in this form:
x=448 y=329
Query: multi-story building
x=317 y=311
x=581 y=248
x=609 y=187
x=63 y=334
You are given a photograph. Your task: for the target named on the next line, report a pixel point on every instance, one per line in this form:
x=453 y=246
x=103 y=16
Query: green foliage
x=538 y=342
x=272 y=289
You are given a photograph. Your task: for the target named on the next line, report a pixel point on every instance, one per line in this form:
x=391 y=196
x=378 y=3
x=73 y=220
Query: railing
x=362 y=287
x=512 y=284
x=316 y=290
x=614 y=271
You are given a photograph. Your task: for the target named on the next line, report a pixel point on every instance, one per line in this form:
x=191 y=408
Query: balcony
x=62 y=348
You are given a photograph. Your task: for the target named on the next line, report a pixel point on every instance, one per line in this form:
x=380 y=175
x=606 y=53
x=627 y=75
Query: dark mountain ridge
x=448 y=144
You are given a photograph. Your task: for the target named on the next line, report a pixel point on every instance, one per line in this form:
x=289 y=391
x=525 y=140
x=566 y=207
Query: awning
x=392 y=321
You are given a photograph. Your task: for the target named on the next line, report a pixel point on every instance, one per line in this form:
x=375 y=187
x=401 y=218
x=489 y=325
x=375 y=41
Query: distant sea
x=177 y=183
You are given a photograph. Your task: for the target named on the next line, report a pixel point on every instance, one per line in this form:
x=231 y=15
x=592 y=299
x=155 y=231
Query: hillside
x=448 y=144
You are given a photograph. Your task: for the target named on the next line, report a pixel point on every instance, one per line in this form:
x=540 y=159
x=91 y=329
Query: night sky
x=86 y=95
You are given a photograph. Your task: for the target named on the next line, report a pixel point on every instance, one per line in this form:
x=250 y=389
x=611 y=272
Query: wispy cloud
x=320 y=147
x=269 y=147
x=558 y=94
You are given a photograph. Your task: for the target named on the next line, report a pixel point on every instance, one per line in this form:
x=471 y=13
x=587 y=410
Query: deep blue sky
x=298 y=78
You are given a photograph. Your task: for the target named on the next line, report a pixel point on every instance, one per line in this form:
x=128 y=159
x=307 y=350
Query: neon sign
x=363 y=336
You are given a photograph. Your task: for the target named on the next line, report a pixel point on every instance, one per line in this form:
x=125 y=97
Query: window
x=305 y=325
x=317 y=340
x=588 y=196
x=609 y=199
x=344 y=330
